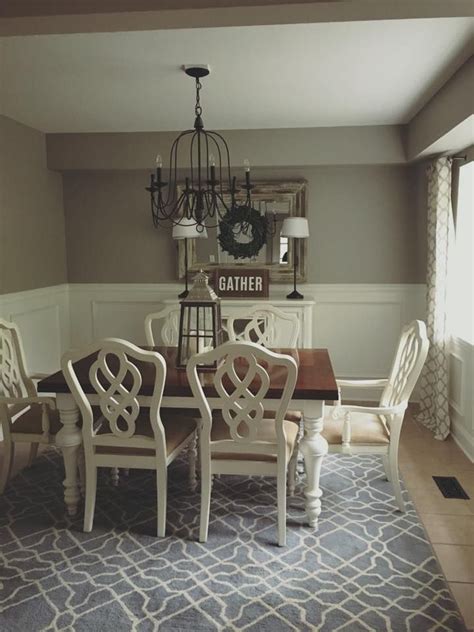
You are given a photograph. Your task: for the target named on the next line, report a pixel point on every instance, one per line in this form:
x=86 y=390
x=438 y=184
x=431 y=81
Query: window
x=461 y=302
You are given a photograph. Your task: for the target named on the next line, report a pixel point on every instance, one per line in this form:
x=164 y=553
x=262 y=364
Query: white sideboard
x=302 y=308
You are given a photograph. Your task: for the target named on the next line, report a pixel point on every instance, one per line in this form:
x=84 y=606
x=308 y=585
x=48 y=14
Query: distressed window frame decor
x=293 y=192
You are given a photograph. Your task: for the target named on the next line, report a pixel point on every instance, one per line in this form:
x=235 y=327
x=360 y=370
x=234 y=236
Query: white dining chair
x=243 y=439
x=266 y=325
x=356 y=430
x=167 y=321
x=25 y=416
x=122 y=432
x=270 y=326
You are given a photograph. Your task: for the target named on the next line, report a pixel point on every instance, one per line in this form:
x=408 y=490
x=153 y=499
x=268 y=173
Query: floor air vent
x=450 y=487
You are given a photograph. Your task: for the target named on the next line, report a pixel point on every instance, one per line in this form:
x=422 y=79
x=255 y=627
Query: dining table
x=315 y=385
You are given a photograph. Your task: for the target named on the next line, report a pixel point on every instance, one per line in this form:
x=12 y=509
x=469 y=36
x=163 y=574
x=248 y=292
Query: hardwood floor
x=449 y=523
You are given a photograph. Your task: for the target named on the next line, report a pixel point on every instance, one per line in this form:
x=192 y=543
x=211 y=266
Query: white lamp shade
x=188 y=229
x=295 y=227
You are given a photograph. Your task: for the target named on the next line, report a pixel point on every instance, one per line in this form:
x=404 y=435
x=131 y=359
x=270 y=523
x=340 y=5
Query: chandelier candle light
x=187 y=229
x=209 y=178
x=297 y=228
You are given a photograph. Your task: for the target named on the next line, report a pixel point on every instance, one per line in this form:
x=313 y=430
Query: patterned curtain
x=434 y=402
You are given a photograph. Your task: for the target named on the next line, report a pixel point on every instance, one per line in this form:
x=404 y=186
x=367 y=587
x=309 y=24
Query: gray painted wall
x=363 y=145
x=109 y=232
x=32 y=235
x=366 y=222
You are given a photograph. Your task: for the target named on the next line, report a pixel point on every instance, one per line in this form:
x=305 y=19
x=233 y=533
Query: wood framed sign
x=243 y=283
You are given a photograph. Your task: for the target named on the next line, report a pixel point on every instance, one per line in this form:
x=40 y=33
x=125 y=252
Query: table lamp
x=187 y=229
x=297 y=228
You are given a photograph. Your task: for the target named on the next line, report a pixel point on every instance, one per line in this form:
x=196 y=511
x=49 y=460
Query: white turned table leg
x=313 y=447
x=69 y=439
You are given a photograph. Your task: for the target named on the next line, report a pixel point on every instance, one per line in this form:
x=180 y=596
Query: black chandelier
x=209 y=191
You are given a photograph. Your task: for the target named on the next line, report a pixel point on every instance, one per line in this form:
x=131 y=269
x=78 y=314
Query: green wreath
x=257 y=228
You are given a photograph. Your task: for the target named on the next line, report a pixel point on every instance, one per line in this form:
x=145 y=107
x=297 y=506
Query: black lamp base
x=183 y=294
x=294 y=294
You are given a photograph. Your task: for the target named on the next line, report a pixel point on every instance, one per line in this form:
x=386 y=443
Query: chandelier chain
x=198 y=108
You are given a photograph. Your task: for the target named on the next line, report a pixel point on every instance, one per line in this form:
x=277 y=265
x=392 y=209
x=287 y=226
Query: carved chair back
x=116 y=381
x=14 y=380
x=266 y=325
x=242 y=381
x=169 y=331
x=407 y=364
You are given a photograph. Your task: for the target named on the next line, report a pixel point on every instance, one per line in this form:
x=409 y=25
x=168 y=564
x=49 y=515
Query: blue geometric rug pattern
x=368 y=568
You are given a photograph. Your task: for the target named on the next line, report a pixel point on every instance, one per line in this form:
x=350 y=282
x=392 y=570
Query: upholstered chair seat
x=266 y=432
x=30 y=422
x=177 y=429
x=366 y=428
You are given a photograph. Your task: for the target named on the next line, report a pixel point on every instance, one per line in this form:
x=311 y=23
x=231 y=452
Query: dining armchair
x=120 y=431
x=243 y=439
x=25 y=416
x=355 y=429
x=167 y=320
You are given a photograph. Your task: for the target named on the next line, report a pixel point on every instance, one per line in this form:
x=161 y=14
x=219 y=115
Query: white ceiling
x=311 y=75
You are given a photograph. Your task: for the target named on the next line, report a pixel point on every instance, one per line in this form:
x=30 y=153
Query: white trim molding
x=461 y=398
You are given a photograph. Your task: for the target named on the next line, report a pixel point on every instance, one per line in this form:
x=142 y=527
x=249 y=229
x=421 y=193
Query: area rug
x=369 y=567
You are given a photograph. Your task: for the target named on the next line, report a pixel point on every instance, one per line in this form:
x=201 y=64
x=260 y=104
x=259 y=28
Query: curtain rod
x=459 y=157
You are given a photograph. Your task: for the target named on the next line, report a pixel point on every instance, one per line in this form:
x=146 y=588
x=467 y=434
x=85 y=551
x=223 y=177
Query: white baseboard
x=463 y=439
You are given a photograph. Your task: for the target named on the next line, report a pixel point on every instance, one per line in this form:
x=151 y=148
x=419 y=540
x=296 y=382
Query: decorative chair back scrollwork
x=124 y=433
x=376 y=429
x=407 y=364
x=169 y=331
x=243 y=439
x=14 y=381
x=116 y=379
x=24 y=415
x=265 y=325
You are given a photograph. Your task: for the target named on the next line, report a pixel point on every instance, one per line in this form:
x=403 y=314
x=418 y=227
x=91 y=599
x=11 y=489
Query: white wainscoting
x=43 y=318
x=461 y=365
x=359 y=324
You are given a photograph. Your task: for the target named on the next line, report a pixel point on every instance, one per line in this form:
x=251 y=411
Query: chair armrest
x=48 y=401
x=362 y=383
x=375 y=410
x=39 y=376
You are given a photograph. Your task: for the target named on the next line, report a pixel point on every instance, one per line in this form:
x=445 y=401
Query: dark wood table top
x=315 y=376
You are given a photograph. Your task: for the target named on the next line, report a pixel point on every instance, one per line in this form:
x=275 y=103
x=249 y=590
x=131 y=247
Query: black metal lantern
x=200 y=323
